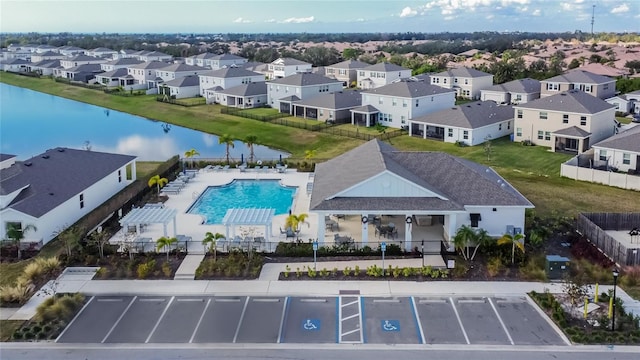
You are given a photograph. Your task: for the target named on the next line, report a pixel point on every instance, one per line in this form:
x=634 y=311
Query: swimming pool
x=214 y=202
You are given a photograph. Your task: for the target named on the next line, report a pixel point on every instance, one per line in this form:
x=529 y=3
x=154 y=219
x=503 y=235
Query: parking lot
x=341 y=319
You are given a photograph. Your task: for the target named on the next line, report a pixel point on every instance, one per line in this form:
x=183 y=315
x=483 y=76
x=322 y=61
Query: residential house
x=260 y=68
x=17 y=53
x=215 y=61
x=55 y=189
x=153 y=56
x=117 y=77
x=84 y=73
x=125 y=53
x=395 y=104
x=182 y=87
x=602 y=87
x=227 y=78
x=15 y=65
x=282 y=92
x=329 y=107
x=470 y=124
x=466 y=82
x=101 y=52
x=626 y=103
x=380 y=74
x=569 y=121
x=243 y=96
x=145 y=73
x=427 y=195
x=68 y=63
x=513 y=92
x=621 y=151
x=283 y=67
x=200 y=59
x=48 y=55
x=45 y=68
x=346 y=71
x=176 y=71
x=44 y=48
x=70 y=50
x=119 y=64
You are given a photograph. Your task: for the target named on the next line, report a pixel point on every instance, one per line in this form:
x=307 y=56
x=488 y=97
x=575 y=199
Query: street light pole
x=615 y=283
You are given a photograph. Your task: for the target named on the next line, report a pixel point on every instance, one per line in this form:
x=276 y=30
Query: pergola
x=142 y=216
x=249 y=216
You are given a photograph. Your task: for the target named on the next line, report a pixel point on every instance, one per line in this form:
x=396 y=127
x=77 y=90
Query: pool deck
x=192 y=225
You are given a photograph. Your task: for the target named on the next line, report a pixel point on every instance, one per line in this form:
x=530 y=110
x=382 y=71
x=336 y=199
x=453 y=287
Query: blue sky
x=317 y=15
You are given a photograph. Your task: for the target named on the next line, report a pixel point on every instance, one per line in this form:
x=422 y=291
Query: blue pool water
x=216 y=200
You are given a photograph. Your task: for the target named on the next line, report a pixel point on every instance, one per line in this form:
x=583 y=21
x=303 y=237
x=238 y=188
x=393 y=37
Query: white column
x=352 y=119
x=175 y=228
x=321 y=228
x=164 y=229
x=365 y=230
x=407 y=234
x=410 y=128
x=226 y=232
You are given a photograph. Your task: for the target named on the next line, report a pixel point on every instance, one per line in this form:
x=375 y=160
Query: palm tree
x=465 y=236
x=228 y=141
x=211 y=240
x=158 y=182
x=308 y=154
x=293 y=221
x=15 y=232
x=250 y=140
x=165 y=242
x=190 y=154
x=514 y=241
x=482 y=238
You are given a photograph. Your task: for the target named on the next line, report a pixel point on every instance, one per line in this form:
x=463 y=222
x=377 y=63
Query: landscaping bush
x=534 y=268
x=18 y=293
x=59 y=307
x=32 y=271
x=49 y=266
x=146 y=269
x=494 y=266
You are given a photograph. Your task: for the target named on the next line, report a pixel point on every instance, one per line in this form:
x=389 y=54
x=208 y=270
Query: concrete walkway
x=188 y=267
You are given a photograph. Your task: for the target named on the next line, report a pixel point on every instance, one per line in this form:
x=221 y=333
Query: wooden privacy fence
x=593 y=226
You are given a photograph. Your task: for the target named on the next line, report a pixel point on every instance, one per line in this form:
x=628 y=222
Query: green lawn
x=263 y=111
x=623 y=119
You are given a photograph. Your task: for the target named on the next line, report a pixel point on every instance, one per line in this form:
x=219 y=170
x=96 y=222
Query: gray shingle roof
x=49 y=53
x=580 y=76
x=189 y=80
x=290 y=61
x=182 y=68
x=457 y=182
x=150 y=65
x=368 y=109
x=573 y=131
x=626 y=141
x=520 y=86
x=291 y=98
x=469 y=116
x=92 y=68
x=15 y=61
x=4 y=157
x=384 y=67
x=102 y=49
x=251 y=89
x=304 y=79
x=227 y=57
x=463 y=72
x=337 y=100
x=574 y=101
x=409 y=89
x=230 y=72
x=83 y=57
x=349 y=64
x=124 y=61
x=57 y=178
x=49 y=64
x=121 y=72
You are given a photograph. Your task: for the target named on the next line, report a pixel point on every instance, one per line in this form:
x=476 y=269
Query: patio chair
x=226 y=168
x=217 y=168
x=265 y=168
x=208 y=168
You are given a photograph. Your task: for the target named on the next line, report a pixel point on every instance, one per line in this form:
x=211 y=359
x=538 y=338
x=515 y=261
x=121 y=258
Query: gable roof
x=56 y=176
x=150 y=65
x=469 y=116
x=47 y=64
x=92 y=68
x=227 y=57
x=304 y=79
x=349 y=64
x=521 y=86
x=102 y=49
x=182 y=67
x=626 y=141
x=463 y=72
x=124 y=61
x=458 y=182
x=573 y=131
x=409 y=89
x=385 y=67
x=574 y=101
x=230 y=72
x=15 y=61
x=83 y=57
x=49 y=53
x=189 y=80
x=337 y=100
x=251 y=89
x=580 y=76
x=289 y=61
x=117 y=73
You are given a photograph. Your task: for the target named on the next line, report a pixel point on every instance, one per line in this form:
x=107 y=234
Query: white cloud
x=452 y=6
x=620 y=9
x=536 y=12
x=142 y=147
x=270 y=21
x=408 y=12
x=299 y=20
x=242 y=21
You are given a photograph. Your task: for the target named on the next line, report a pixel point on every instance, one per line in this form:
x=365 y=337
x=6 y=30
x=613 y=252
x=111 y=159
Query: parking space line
x=386 y=300
x=416 y=317
x=282 y=318
x=118 y=321
x=244 y=309
x=432 y=301
x=501 y=322
x=464 y=332
x=75 y=317
x=350 y=303
x=199 y=321
x=472 y=301
x=226 y=300
x=338 y=322
x=152 y=300
x=314 y=300
x=109 y=300
x=159 y=319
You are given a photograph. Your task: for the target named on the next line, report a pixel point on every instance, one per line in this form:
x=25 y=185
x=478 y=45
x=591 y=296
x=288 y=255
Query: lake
x=32 y=122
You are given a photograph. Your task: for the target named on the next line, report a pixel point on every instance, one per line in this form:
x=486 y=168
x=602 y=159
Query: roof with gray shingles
x=349 y=64
x=463 y=72
x=384 y=67
x=49 y=64
x=367 y=109
x=230 y=72
x=251 y=89
x=183 y=68
x=15 y=61
x=55 y=177
x=579 y=76
x=520 y=86
x=304 y=79
x=573 y=131
x=150 y=65
x=457 y=182
x=185 y=81
x=469 y=116
x=409 y=89
x=626 y=141
x=49 y=53
x=117 y=73
x=337 y=100
x=92 y=68
x=573 y=101
x=83 y=57
x=124 y=61
x=289 y=61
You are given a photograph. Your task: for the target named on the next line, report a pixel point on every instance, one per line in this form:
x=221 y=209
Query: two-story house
x=346 y=71
x=215 y=61
x=283 y=91
x=381 y=74
x=69 y=50
x=517 y=91
x=395 y=104
x=145 y=73
x=80 y=60
x=569 y=121
x=602 y=87
x=48 y=55
x=119 y=64
x=226 y=78
x=466 y=82
x=283 y=67
x=153 y=56
x=101 y=52
x=116 y=73
x=176 y=71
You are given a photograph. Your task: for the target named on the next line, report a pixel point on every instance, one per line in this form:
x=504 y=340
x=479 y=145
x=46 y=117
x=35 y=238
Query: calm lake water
x=32 y=122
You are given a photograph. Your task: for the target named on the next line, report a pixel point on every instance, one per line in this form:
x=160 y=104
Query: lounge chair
x=226 y=168
x=208 y=168
x=265 y=168
x=217 y=168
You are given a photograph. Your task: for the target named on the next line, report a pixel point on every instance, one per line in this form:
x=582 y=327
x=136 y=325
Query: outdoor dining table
x=385 y=230
x=343 y=240
x=330 y=224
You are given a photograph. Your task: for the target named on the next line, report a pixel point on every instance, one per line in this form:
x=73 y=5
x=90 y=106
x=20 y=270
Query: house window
x=519 y=114
x=444 y=81
x=404 y=102
x=565 y=118
x=81 y=201
x=465 y=135
x=518 y=98
x=605 y=87
x=394 y=101
x=583 y=120
x=540 y=134
x=321 y=112
x=119 y=176
x=16 y=226
x=543 y=115
x=455 y=80
x=466 y=81
x=499 y=127
x=402 y=120
x=380 y=100
x=450 y=132
x=417 y=101
x=603 y=155
x=508 y=125
x=475 y=218
x=626 y=159
x=553 y=86
x=518 y=131
x=547 y=135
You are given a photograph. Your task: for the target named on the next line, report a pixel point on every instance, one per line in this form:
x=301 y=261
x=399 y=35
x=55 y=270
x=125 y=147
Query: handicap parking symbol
x=311 y=324
x=390 y=325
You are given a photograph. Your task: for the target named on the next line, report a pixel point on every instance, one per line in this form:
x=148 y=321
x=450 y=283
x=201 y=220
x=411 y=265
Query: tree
x=190 y=154
x=351 y=53
x=514 y=241
x=250 y=141
x=228 y=141
x=293 y=221
x=465 y=236
x=158 y=182
x=71 y=238
x=100 y=239
x=16 y=232
x=211 y=240
x=482 y=239
x=488 y=147
x=165 y=242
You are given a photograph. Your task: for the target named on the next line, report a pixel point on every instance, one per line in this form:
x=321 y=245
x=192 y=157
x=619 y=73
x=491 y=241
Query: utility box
x=557 y=267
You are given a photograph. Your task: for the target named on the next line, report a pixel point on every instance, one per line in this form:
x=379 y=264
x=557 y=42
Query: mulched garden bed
x=147 y=266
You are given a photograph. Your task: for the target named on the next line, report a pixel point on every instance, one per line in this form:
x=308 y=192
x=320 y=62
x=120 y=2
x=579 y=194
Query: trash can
x=557 y=267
